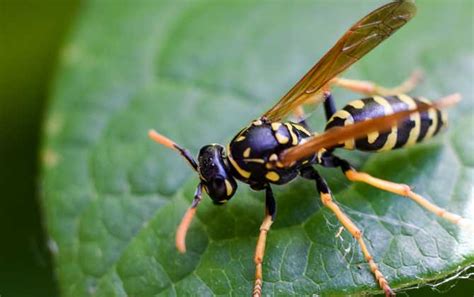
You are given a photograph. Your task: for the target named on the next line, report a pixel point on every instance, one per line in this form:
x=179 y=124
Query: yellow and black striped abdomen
x=418 y=127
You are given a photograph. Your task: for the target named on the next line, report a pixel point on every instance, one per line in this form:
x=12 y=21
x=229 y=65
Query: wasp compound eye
x=221 y=189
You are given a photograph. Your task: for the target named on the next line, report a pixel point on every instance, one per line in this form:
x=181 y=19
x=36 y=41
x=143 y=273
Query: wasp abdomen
x=419 y=127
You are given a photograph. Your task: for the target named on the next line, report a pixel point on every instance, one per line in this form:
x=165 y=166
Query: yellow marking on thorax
x=358 y=104
x=273 y=161
x=228 y=187
x=294 y=138
x=254 y=160
x=282 y=139
x=240 y=138
x=416 y=118
x=246 y=153
x=242 y=172
x=302 y=129
x=276 y=126
x=432 y=114
x=272 y=176
x=392 y=137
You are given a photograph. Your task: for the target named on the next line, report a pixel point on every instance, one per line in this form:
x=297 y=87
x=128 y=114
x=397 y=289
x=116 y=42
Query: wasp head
x=215 y=174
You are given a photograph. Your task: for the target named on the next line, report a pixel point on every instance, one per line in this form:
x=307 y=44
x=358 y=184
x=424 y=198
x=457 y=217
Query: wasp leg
x=402 y=190
x=329 y=105
x=299 y=114
x=317 y=97
x=270 y=212
x=326 y=198
x=370 y=88
x=329 y=109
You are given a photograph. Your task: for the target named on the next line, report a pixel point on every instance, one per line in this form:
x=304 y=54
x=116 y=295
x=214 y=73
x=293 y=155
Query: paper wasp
x=271 y=150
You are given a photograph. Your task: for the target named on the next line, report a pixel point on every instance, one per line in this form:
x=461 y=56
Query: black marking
x=440 y=122
x=425 y=122
x=403 y=132
x=404 y=127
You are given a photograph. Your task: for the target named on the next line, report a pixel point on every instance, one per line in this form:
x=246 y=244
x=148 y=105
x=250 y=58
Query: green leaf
x=198 y=72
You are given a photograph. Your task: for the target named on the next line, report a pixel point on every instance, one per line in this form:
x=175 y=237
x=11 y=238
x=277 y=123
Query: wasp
x=273 y=151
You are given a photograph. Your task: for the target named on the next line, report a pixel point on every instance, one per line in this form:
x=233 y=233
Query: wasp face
x=215 y=174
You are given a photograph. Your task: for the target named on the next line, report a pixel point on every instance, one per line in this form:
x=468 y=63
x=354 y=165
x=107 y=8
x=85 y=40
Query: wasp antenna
x=157 y=137
x=186 y=221
x=183 y=229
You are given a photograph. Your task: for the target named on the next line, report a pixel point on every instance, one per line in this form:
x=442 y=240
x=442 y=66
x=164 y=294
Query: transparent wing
x=360 y=39
x=337 y=135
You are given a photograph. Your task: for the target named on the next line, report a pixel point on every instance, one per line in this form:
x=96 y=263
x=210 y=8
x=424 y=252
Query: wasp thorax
x=215 y=174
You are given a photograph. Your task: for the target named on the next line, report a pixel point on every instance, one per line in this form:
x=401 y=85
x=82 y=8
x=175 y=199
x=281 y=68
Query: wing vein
x=360 y=39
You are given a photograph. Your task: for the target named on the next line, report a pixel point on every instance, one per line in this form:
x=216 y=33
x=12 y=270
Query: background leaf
x=30 y=38
x=198 y=72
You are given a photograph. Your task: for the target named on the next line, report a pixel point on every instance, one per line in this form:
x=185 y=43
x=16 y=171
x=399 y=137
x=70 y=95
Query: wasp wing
x=360 y=39
x=338 y=135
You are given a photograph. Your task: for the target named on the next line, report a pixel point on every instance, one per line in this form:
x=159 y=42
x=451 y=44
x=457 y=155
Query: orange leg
x=270 y=211
x=299 y=112
x=404 y=190
x=259 y=253
x=354 y=231
x=326 y=198
x=370 y=88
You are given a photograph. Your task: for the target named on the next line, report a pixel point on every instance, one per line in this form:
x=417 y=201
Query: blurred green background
x=30 y=36
x=31 y=32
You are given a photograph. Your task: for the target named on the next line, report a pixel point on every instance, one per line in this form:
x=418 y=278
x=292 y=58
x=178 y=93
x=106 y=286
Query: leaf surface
x=198 y=72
